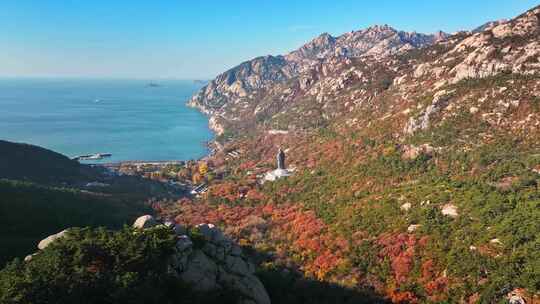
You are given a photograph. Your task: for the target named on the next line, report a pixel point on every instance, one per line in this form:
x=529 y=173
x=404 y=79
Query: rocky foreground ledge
x=203 y=258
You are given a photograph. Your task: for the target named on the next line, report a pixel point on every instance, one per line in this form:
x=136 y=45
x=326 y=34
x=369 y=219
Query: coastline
x=130 y=120
x=209 y=144
x=212 y=145
x=213 y=122
x=218 y=129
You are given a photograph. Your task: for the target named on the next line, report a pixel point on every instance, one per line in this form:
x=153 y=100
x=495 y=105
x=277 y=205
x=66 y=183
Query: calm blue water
x=123 y=117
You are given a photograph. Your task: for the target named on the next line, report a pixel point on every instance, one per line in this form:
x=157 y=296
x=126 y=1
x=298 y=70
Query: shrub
x=101 y=266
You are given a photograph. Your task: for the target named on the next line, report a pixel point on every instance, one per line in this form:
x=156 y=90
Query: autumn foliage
x=288 y=227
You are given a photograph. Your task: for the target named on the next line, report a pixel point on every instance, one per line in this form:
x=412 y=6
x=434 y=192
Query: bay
x=131 y=119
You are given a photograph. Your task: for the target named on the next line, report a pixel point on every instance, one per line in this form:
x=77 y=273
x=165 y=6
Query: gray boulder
x=29 y=257
x=51 y=238
x=216 y=264
x=412 y=152
x=145 y=221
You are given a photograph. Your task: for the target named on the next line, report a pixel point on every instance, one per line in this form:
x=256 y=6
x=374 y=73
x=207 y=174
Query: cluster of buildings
x=191 y=175
x=162 y=171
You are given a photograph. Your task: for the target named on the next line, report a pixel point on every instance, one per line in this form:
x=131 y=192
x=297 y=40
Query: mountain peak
x=381 y=28
x=322 y=40
x=325 y=36
x=325 y=55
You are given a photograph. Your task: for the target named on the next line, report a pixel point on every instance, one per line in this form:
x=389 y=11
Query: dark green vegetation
x=32 y=212
x=32 y=163
x=100 y=266
x=43 y=192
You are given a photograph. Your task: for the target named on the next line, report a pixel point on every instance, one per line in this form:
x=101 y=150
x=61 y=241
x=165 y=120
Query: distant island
x=153 y=85
x=199 y=81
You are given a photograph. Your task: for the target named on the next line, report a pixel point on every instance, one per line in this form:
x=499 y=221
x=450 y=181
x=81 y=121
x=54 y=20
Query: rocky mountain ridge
x=332 y=76
x=243 y=83
x=410 y=171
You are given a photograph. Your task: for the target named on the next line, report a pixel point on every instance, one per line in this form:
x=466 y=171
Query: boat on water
x=97 y=156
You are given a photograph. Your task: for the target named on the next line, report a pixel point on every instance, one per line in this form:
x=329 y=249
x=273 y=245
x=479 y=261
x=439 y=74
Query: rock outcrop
x=499 y=47
x=330 y=78
x=238 y=89
x=51 y=238
x=211 y=261
x=423 y=121
x=449 y=210
x=145 y=221
x=412 y=152
x=204 y=258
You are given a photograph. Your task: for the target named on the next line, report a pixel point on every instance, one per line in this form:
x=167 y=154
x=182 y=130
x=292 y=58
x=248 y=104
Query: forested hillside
x=36 y=164
x=416 y=169
x=42 y=192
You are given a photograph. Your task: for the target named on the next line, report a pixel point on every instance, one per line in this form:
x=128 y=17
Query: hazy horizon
x=127 y=118
x=190 y=41
x=97 y=77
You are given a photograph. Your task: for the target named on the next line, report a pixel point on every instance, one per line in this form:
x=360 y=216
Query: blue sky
x=199 y=39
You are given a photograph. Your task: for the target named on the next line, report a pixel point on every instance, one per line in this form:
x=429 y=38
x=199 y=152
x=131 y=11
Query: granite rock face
x=214 y=262
x=411 y=152
x=237 y=89
x=449 y=210
x=51 y=238
x=145 y=221
x=211 y=262
x=506 y=46
x=423 y=121
x=330 y=78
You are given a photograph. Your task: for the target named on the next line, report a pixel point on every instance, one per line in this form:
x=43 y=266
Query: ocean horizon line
x=52 y=77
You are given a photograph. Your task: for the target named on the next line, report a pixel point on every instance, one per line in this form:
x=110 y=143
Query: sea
x=143 y=120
